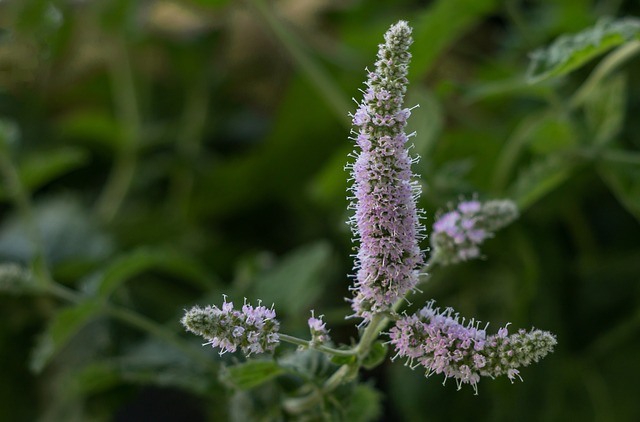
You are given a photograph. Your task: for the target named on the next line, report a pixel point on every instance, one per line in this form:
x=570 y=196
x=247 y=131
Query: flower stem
x=318 y=347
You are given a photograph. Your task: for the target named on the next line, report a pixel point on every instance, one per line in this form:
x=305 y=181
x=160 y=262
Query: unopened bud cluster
x=253 y=330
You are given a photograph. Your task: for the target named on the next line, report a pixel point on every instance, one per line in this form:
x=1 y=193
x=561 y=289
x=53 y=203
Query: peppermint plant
x=389 y=266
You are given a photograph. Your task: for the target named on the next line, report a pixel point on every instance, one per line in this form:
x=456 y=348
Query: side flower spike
x=442 y=344
x=458 y=234
x=386 y=220
x=253 y=330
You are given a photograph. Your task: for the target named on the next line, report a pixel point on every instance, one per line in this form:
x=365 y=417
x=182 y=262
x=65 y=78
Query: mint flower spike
x=253 y=330
x=458 y=234
x=386 y=221
x=443 y=344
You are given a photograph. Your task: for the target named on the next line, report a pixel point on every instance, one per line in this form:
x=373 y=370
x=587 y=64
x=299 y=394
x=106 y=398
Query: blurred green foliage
x=157 y=154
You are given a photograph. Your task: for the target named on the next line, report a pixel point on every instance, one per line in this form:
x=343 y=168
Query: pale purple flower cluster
x=318 y=329
x=253 y=330
x=458 y=233
x=386 y=220
x=443 y=344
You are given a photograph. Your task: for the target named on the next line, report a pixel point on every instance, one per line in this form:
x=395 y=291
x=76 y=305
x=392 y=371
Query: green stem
x=126 y=106
x=606 y=66
x=318 y=347
x=188 y=141
x=379 y=322
x=369 y=335
x=145 y=324
x=323 y=83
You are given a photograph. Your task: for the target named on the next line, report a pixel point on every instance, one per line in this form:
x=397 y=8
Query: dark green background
x=197 y=148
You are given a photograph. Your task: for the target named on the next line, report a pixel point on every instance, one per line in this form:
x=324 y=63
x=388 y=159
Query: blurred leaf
x=94 y=127
x=324 y=84
x=9 y=134
x=149 y=363
x=18 y=280
x=290 y=155
x=64 y=325
x=443 y=23
x=131 y=264
x=251 y=374
x=505 y=88
x=539 y=179
x=569 y=52
x=210 y=3
x=553 y=134
x=297 y=281
x=343 y=360
x=624 y=181
x=67 y=229
x=427 y=120
x=376 y=355
x=545 y=132
x=42 y=167
x=308 y=363
x=328 y=187
x=364 y=404
x=261 y=404
x=605 y=110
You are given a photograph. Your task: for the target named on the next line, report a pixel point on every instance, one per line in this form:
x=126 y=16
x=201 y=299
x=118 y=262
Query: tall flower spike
x=253 y=330
x=386 y=219
x=444 y=345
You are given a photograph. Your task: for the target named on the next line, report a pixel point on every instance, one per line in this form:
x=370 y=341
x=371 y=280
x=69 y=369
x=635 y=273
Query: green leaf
x=67 y=230
x=9 y=133
x=605 y=110
x=93 y=127
x=41 y=167
x=376 y=355
x=63 y=326
x=624 y=181
x=569 y=52
x=365 y=404
x=442 y=24
x=297 y=281
x=343 y=360
x=538 y=130
x=539 y=179
x=553 y=134
x=149 y=363
x=131 y=264
x=251 y=374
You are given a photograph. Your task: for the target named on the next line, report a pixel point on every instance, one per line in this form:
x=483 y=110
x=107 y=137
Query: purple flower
x=385 y=221
x=443 y=344
x=458 y=233
x=253 y=330
x=318 y=329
